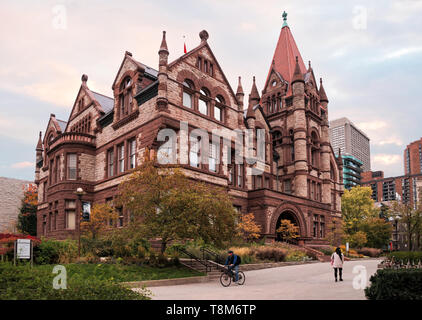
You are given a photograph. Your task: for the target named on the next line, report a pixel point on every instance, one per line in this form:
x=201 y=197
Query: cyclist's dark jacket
x=233 y=259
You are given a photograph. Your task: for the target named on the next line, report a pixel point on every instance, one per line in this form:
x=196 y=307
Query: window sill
x=126 y=119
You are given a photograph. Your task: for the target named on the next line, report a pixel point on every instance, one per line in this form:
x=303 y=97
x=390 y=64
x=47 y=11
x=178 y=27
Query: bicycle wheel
x=242 y=278
x=225 y=279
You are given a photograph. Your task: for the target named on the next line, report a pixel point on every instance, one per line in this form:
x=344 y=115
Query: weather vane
x=284 y=19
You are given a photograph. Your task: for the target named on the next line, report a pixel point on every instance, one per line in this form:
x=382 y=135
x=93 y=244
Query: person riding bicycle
x=233 y=261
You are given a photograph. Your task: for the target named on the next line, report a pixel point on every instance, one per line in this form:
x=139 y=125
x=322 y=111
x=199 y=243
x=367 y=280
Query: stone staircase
x=212 y=272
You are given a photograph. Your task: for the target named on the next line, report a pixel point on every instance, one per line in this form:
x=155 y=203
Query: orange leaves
x=248 y=228
x=288 y=230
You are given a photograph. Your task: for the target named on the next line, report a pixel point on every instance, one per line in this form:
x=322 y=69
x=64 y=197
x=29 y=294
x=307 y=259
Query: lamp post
x=396 y=220
x=79 y=192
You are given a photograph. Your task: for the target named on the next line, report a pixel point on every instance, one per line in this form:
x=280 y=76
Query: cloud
x=386 y=159
x=23 y=164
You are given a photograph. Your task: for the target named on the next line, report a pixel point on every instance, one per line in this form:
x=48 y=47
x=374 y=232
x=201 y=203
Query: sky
x=368 y=54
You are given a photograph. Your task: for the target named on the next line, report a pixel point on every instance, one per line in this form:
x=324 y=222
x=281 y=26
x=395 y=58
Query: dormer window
x=125 y=97
x=274 y=83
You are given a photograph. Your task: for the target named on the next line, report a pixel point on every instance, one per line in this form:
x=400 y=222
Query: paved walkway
x=300 y=282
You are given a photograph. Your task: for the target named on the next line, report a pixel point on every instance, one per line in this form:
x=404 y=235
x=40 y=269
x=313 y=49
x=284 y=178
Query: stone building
x=12 y=192
x=105 y=137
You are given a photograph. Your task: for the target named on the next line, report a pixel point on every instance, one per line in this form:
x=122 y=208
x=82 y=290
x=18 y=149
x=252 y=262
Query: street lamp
x=79 y=192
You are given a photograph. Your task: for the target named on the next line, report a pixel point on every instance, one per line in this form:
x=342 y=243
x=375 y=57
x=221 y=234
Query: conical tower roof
x=286 y=51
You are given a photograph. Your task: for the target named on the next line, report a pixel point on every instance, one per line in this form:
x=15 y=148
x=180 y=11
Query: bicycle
x=228 y=276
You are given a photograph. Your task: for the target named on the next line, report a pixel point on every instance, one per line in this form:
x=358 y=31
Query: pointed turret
x=163 y=55
x=297 y=75
x=39 y=144
x=163 y=47
x=322 y=95
x=240 y=94
x=254 y=95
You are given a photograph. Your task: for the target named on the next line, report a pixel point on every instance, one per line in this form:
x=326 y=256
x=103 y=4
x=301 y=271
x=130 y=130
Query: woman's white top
x=337 y=261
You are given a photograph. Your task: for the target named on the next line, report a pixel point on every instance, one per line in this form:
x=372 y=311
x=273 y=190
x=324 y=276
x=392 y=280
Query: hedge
x=404 y=256
x=391 y=284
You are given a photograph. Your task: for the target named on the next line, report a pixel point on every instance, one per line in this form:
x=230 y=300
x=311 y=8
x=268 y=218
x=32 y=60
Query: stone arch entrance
x=287 y=215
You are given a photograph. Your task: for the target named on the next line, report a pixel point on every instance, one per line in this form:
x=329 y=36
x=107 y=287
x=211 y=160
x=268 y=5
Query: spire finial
x=284 y=19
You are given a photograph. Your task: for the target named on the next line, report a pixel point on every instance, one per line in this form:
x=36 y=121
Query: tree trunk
x=163 y=246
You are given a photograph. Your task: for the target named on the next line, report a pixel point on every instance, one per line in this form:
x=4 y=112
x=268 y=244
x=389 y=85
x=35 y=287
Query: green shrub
x=370 y=252
x=296 y=255
x=405 y=256
x=390 y=284
x=54 y=251
x=97 y=247
x=26 y=283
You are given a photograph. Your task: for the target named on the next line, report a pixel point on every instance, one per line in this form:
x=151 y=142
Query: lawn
x=84 y=281
x=123 y=273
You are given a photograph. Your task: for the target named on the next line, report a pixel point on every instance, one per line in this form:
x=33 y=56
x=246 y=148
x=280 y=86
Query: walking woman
x=337 y=260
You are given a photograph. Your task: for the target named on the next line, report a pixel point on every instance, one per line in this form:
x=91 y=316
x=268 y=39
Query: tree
x=27 y=218
x=248 y=228
x=335 y=232
x=357 y=240
x=288 y=230
x=100 y=217
x=357 y=205
x=411 y=218
x=378 y=232
x=166 y=204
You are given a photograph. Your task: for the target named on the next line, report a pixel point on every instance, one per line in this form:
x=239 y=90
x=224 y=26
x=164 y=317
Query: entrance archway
x=287 y=215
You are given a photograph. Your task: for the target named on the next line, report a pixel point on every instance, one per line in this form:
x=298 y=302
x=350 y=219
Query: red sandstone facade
x=104 y=138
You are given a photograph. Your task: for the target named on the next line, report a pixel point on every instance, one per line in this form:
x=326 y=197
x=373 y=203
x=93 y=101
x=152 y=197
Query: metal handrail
x=194 y=257
x=217 y=258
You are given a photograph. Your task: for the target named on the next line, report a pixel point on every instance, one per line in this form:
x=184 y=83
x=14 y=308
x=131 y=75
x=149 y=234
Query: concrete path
x=301 y=282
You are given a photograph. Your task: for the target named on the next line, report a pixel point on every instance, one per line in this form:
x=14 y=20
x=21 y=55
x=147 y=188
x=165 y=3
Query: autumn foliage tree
x=288 y=230
x=99 y=220
x=27 y=218
x=248 y=229
x=166 y=204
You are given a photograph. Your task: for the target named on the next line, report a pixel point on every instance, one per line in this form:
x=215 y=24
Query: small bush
x=271 y=253
x=53 y=252
x=401 y=284
x=370 y=252
x=296 y=255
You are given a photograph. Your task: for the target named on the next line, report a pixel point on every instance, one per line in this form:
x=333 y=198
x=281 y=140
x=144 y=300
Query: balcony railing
x=73 y=137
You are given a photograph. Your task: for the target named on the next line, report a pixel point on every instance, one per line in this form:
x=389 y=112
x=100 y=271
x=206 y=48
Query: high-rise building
x=344 y=135
x=351 y=171
x=413 y=158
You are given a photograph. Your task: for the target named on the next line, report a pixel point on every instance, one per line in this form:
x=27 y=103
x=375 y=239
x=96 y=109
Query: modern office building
x=344 y=135
x=352 y=169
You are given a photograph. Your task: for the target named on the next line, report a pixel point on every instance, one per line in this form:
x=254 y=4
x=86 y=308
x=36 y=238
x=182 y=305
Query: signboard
x=347 y=247
x=23 y=249
x=86 y=211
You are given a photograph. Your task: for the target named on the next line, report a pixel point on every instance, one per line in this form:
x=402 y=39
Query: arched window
x=188 y=94
x=219 y=107
x=125 y=97
x=292 y=145
x=314 y=149
x=277 y=138
x=203 y=103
